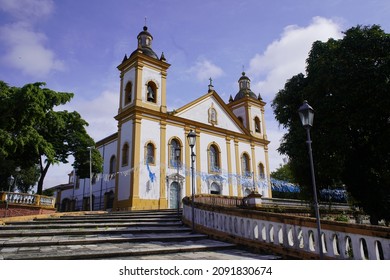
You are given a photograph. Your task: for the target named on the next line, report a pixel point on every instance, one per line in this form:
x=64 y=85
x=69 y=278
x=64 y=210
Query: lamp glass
x=306 y=114
x=191 y=137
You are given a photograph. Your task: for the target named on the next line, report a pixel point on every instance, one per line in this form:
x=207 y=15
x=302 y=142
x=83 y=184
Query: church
x=148 y=162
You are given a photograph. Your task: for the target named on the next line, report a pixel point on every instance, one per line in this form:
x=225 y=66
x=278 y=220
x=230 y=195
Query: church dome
x=245 y=89
x=145 y=44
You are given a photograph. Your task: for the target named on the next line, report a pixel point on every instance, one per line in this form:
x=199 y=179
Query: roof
x=144 y=44
x=245 y=90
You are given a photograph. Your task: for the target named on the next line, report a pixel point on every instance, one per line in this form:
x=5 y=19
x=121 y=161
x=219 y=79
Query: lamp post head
x=306 y=114
x=191 y=137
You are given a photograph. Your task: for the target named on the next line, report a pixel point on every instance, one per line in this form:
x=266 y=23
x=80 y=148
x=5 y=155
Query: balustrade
x=27 y=199
x=296 y=234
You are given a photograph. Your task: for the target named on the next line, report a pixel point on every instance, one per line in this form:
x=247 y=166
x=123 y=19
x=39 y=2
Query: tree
x=283 y=173
x=28 y=177
x=348 y=84
x=33 y=132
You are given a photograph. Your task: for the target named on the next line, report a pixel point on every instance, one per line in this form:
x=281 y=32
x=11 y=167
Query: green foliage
x=342 y=218
x=33 y=132
x=348 y=85
x=28 y=177
x=283 y=173
x=82 y=165
x=48 y=192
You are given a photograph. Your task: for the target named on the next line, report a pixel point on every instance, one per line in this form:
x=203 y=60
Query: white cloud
x=27 y=52
x=287 y=56
x=27 y=9
x=205 y=69
x=99 y=113
x=26 y=49
x=281 y=60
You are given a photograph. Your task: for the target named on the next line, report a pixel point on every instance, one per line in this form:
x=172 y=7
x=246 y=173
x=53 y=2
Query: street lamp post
x=90 y=177
x=306 y=114
x=177 y=154
x=191 y=137
x=11 y=181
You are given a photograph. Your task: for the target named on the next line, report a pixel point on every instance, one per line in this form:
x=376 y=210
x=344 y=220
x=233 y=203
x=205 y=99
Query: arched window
x=151 y=90
x=245 y=165
x=125 y=154
x=214 y=162
x=128 y=93
x=174 y=145
x=241 y=119
x=149 y=153
x=257 y=125
x=112 y=166
x=261 y=171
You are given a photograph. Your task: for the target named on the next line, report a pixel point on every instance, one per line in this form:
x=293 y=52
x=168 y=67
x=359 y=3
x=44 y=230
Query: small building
x=147 y=163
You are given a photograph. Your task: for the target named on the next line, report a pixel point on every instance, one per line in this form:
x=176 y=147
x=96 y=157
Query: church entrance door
x=174 y=195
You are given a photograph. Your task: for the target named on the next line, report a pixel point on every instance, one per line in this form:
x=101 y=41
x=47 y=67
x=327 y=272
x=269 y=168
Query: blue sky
x=75 y=46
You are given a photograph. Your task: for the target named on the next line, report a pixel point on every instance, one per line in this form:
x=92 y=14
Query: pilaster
x=136 y=160
x=163 y=107
x=229 y=164
x=268 y=171
x=163 y=203
x=139 y=84
x=118 y=152
x=253 y=155
x=238 y=169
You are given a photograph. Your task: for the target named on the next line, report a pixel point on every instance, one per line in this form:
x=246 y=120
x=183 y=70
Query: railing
x=234 y=201
x=11 y=198
x=288 y=235
x=219 y=200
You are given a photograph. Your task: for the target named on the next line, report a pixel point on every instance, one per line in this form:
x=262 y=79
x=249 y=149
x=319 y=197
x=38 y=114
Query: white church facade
x=147 y=163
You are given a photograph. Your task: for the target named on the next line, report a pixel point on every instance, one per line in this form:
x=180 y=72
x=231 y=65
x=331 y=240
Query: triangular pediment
x=211 y=109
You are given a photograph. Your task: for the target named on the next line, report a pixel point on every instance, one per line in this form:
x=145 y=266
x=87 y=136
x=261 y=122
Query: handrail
x=289 y=235
x=234 y=201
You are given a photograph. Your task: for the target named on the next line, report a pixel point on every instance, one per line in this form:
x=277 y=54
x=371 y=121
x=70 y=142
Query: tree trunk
x=44 y=170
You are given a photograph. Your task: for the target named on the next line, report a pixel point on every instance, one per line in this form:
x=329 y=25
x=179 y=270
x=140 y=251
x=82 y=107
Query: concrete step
x=94 y=220
x=109 y=250
x=98 y=239
x=91 y=231
x=121 y=217
x=77 y=224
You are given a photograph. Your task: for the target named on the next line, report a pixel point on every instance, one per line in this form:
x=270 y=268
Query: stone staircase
x=118 y=235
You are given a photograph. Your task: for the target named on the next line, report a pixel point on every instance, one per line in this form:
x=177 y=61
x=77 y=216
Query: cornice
x=248 y=100
x=140 y=58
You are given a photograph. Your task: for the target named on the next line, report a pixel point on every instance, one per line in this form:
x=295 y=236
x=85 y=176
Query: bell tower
x=143 y=77
x=249 y=108
x=142 y=92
